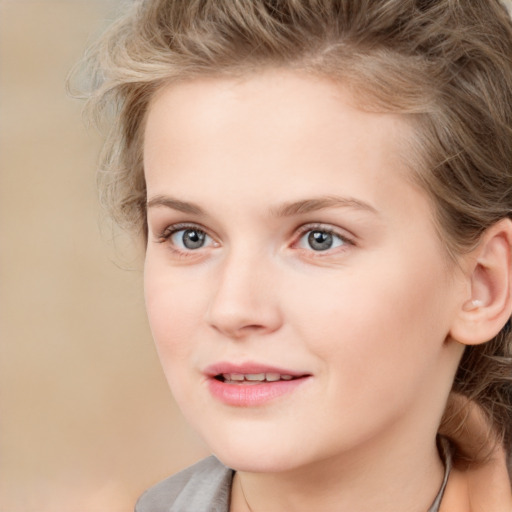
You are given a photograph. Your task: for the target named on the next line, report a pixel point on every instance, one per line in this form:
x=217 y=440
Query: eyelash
x=169 y=231
x=322 y=228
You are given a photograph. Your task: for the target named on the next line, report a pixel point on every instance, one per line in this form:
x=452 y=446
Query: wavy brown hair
x=446 y=65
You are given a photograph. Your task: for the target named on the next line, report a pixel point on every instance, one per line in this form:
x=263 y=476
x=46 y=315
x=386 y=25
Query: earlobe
x=488 y=304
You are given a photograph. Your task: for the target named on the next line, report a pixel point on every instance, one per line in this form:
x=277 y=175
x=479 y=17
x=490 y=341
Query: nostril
x=251 y=328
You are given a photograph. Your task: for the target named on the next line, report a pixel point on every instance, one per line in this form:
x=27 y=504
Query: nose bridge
x=244 y=300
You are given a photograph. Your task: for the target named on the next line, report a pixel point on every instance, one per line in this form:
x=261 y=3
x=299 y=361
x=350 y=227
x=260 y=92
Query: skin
x=368 y=320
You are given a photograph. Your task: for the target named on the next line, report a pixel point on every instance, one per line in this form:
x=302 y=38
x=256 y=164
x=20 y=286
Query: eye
x=320 y=240
x=190 y=239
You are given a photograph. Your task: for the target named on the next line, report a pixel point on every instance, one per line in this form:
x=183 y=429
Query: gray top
x=203 y=487
x=206 y=487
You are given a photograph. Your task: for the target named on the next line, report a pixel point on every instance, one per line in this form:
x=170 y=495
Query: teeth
x=235 y=376
x=255 y=377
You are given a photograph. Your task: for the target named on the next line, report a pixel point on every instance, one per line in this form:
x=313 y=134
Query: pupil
x=320 y=240
x=193 y=239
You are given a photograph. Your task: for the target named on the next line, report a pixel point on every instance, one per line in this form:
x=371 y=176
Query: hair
x=444 y=64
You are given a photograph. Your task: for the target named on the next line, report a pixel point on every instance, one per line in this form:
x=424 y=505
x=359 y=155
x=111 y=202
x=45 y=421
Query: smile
x=251 y=385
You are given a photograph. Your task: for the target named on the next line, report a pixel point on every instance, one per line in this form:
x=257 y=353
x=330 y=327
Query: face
x=298 y=294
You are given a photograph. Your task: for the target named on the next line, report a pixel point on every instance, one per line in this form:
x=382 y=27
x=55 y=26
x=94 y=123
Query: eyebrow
x=175 y=204
x=320 y=203
x=284 y=210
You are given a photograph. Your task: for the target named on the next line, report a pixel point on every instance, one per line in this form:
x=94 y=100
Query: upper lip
x=248 y=368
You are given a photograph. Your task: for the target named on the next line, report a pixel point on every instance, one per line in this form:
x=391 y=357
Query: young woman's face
x=298 y=294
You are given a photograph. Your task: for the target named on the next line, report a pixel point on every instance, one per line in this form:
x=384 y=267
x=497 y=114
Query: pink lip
x=248 y=394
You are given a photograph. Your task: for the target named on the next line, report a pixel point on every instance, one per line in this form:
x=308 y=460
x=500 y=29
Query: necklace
x=243 y=494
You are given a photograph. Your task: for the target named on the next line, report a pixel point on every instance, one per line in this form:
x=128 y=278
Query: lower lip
x=251 y=395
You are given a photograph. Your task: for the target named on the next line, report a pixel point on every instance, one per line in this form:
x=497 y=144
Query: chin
x=256 y=454
x=262 y=462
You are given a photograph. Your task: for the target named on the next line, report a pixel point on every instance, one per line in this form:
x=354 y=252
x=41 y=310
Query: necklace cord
x=243 y=494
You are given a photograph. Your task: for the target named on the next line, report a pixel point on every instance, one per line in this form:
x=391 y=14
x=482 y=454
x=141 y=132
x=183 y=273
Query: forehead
x=265 y=109
x=267 y=119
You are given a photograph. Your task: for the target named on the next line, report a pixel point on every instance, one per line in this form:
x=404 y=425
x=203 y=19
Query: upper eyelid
x=179 y=226
x=329 y=228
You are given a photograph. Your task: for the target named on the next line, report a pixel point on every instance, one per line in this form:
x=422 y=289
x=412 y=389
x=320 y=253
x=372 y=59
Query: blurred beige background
x=86 y=420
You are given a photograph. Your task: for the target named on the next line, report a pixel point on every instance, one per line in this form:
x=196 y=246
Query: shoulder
x=205 y=486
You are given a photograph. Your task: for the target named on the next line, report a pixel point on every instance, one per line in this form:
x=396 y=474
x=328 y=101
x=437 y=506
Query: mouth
x=251 y=385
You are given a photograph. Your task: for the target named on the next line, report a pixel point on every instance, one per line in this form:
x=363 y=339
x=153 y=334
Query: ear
x=487 y=304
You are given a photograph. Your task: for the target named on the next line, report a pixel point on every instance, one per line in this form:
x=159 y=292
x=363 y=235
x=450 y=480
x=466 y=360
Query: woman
x=324 y=188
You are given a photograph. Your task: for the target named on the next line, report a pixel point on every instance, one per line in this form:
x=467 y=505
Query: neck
x=403 y=478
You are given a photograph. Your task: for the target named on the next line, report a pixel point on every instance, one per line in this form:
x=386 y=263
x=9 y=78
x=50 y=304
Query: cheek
x=173 y=307
x=380 y=322
x=173 y=318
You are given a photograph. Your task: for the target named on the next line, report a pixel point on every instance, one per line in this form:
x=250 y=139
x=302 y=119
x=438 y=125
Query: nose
x=244 y=301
